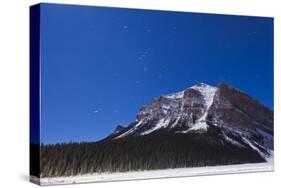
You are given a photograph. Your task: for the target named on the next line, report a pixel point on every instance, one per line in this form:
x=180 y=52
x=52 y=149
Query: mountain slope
x=242 y=120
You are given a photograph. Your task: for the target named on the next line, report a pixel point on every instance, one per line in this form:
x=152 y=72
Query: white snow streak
x=208 y=93
x=197 y=126
x=268 y=158
x=162 y=123
x=129 y=131
x=176 y=122
x=177 y=95
x=232 y=141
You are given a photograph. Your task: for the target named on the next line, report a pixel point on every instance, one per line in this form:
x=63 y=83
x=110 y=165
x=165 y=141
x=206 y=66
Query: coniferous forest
x=149 y=152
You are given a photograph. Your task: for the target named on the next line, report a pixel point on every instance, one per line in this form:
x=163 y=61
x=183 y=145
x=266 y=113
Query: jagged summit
x=119 y=128
x=199 y=86
x=182 y=111
x=200 y=109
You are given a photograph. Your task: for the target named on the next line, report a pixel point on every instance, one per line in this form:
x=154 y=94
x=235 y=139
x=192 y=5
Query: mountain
x=118 y=129
x=239 y=118
x=202 y=125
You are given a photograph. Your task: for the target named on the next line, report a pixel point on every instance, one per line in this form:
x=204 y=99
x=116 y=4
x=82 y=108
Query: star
x=144 y=69
x=142 y=55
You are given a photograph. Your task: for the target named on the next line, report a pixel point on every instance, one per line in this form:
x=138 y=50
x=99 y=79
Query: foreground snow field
x=137 y=175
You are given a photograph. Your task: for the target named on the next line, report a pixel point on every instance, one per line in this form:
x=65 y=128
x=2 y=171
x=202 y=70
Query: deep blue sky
x=100 y=65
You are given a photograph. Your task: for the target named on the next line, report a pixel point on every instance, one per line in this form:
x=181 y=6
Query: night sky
x=100 y=65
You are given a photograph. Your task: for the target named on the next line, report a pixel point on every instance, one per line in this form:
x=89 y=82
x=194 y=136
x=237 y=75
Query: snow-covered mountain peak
x=201 y=85
x=119 y=128
x=203 y=88
x=207 y=91
x=231 y=116
x=183 y=111
x=177 y=95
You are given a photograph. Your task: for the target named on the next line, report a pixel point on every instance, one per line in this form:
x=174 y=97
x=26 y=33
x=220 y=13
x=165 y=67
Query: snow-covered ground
x=137 y=175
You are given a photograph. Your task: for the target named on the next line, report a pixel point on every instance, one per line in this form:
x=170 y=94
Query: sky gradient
x=100 y=65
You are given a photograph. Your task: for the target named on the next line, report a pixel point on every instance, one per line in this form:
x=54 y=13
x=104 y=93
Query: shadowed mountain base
x=149 y=152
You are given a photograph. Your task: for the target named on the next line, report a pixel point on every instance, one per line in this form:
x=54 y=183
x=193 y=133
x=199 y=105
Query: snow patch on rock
x=208 y=92
x=177 y=95
x=130 y=130
x=162 y=123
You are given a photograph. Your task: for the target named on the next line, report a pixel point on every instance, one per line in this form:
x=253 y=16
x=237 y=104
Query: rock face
x=118 y=129
x=233 y=108
x=239 y=112
x=240 y=119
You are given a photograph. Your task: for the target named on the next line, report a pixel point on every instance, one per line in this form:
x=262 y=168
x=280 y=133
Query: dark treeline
x=153 y=151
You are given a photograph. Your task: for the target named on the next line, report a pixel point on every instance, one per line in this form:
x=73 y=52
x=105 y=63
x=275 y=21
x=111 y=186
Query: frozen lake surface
x=166 y=173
